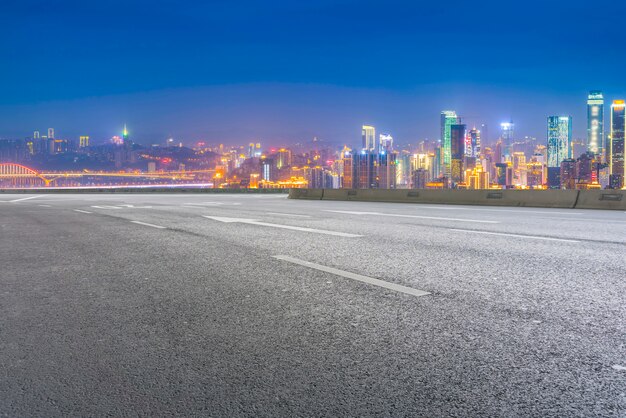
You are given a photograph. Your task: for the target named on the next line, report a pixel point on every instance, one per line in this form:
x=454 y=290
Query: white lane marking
x=293 y=228
x=514 y=235
x=81 y=211
x=26 y=198
x=436 y=218
x=147 y=224
x=45 y=206
x=288 y=214
x=354 y=276
x=105 y=207
x=213 y=204
x=463 y=208
x=136 y=207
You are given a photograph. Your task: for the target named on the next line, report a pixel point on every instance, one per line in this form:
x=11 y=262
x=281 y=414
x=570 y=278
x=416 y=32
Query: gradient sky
x=281 y=72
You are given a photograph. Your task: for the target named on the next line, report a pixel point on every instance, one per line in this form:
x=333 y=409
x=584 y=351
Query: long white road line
x=369 y=280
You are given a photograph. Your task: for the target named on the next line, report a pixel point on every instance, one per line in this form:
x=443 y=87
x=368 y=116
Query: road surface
x=257 y=305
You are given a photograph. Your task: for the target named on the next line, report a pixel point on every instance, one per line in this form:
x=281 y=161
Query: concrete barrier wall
x=585 y=199
x=309 y=194
x=602 y=199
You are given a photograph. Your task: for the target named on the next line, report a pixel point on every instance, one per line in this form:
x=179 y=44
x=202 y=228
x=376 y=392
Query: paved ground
x=141 y=305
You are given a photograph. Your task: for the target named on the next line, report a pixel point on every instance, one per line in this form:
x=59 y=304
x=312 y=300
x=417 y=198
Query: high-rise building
x=386 y=170
x=420 y=178
x=595 y=122
x=368 y=135
x=283 y=158
x=474 y=142
x=616 y=148
x=507 y=133
x=50 y=133
x=448 y=118
x=36 y=135
x=125 y=135
x=559 y=147
x=83 y=142
x=385 y=143
x=457 y=152
x=364 y=170
x=568 y=174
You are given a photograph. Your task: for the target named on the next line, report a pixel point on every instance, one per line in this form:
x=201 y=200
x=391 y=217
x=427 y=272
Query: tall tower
x=457 y=152
x=369 y=138
x=125 y=134
x=507 y=132
x=448 y=118
x=385 y=143
x=559 y=147
x=616 y=147
x=474 y=136
x=50 y=133
x=595 y=122
x=36 y=135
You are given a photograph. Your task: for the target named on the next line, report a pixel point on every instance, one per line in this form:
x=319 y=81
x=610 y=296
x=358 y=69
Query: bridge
x=18 y=175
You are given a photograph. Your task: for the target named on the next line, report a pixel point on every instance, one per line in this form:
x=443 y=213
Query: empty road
x=257 y=305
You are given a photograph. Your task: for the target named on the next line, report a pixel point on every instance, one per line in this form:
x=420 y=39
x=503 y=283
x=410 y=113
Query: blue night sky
x=278 y=72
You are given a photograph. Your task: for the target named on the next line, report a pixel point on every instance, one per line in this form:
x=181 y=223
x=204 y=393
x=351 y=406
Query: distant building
x=385 y=143
x=50 y=133
x=616 y=149
x=83 y=142
x=457 y=152
x=368 y=138
x=507 y=134
x=595 y=122
x=559 y=148
x=420 y=178
x=474 y=142
x=567 y=174
x=448 y=118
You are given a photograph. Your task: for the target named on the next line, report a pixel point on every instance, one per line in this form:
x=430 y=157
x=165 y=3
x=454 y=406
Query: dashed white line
x=150 y=225
x=288 y=214
x=436 y=218
x=293 y=228
x=81 y=211
x=45 y=206
x=514 y=235
x=26 y=198
x=464 y=208
x=354 y=276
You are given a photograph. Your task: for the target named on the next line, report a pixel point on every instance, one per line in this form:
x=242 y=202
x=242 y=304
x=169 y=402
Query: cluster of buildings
x=463 y=157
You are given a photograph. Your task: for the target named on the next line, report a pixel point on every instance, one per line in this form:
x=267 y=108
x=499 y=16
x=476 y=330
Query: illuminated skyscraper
x=448 y=118
x=386 y=143
x=36 y=135
x=369 y=138
x=507 y=132
x=83 y=142
x=474 y=142
x=283 y=158
x=125 y=134
x=595 y=122
x=50 y=133
x=559 y=148
x=457 y=152
x=616 y=148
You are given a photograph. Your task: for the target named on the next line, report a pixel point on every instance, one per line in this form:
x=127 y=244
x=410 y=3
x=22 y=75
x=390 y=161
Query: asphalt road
x=256 y=305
